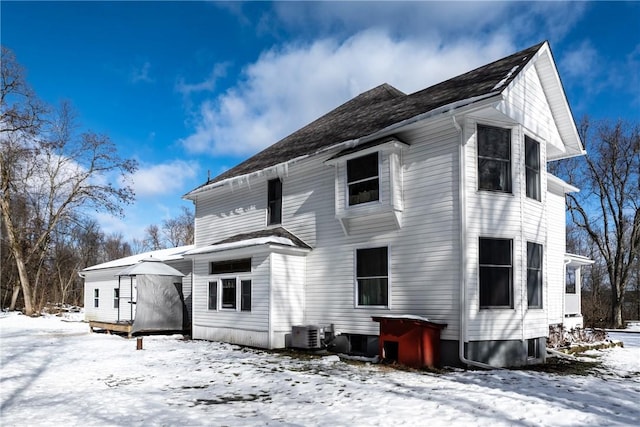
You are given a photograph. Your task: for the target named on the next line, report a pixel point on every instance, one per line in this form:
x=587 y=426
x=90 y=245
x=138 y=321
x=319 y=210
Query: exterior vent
x=308 y=336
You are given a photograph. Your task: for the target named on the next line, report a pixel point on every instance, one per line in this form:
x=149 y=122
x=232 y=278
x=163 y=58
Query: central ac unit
x=308 y=336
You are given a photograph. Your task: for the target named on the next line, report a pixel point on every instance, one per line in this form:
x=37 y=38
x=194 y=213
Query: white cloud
x=141 y=74
x=207 y=85
x=165 y=178
x=290 y=86
x=581 y=62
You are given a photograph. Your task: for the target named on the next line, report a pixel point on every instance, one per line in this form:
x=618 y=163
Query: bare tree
x=49 y=174
x=179 y=230
x=608 y=206
x=114 y=247
x=153 y=239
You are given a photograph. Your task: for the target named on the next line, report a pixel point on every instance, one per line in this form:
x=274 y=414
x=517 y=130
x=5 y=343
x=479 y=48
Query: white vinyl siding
x=556 y=242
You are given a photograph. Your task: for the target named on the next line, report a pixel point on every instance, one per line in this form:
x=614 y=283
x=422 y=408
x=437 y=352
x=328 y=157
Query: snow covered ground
x=54 y=372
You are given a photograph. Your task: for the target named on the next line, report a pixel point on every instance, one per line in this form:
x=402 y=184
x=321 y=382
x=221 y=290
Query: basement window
x=533 y=348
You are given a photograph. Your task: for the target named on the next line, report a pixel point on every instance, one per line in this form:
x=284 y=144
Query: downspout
x=462 y=202
x=119 y=277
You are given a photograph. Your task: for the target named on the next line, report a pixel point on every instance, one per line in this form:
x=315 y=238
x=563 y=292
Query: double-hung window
x=229 y=293
x=496 y=273
x=532 y=167
x=274 y=201
x=534 y=275
x=494 y=159
x=213 y=296
x=362 y=179
x=245 y=295
x=372 y=277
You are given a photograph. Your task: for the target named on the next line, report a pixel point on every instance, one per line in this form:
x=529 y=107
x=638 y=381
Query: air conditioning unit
x=308 y=337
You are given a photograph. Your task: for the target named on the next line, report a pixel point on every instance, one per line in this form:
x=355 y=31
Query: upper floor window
x=372 y=277
x=532 y=167
x=534 y=275
x=496 y=273
x=362 y=179
x=494 y=159
x=274 y=202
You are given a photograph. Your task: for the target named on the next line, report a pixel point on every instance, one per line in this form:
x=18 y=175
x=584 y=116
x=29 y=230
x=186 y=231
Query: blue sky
x=191 y=87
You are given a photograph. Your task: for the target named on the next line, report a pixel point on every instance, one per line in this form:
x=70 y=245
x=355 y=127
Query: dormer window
x=362 y=179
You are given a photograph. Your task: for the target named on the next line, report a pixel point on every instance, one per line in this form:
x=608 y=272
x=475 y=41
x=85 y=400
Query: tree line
x=52 y=174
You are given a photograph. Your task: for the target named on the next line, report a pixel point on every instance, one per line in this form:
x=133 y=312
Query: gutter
x=462 y=194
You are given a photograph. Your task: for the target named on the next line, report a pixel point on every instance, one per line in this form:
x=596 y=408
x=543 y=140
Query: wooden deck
x=111 y=327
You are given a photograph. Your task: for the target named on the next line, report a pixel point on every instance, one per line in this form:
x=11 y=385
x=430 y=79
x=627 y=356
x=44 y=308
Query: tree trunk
x=14 y=297
x=26 y=285
x=616 y=308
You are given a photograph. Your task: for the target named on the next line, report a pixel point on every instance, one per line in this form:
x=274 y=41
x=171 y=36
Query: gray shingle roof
x=270 y=232
x=381 y=107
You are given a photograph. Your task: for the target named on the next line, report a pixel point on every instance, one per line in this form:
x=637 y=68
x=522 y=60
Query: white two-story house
x=435 y=204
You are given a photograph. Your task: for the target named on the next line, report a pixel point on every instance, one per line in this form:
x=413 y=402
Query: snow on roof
x=150 y=266
x=269 y=240
x=170 y=254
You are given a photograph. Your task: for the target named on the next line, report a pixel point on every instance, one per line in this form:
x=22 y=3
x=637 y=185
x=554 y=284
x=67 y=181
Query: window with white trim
x=496 y=273
x=212 y=297
x=494 y=159
x=245 y=295
x=363 y=179
x=229 y=295
x=274 y=202
x=570 y=280
x=96 y=298
x=372 y=277
x=534 y=275
x=532 y=167
x=116 y=298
